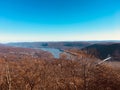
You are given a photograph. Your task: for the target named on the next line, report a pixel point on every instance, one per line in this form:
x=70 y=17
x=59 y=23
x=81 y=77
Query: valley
x=59 y=68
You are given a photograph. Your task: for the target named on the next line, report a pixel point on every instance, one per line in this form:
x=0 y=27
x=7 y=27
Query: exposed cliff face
x=103 y=50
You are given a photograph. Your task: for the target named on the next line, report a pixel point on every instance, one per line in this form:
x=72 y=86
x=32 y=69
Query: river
x=55 y=52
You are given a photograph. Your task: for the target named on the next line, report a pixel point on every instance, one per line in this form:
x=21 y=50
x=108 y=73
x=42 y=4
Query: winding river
x=55 y=52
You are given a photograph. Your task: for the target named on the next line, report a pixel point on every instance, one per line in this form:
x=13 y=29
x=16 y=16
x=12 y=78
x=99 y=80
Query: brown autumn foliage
x=18 y=53
x=38 y=74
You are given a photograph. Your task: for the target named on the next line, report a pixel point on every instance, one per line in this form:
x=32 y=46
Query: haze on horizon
x=59 y=20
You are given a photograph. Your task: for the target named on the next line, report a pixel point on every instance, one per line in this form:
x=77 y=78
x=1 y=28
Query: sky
x=59 y=20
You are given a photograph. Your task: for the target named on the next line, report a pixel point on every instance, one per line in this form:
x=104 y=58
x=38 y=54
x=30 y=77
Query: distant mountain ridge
x=59 y=45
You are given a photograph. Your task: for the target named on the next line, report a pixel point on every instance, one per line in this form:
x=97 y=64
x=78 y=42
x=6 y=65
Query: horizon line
x=6 y=42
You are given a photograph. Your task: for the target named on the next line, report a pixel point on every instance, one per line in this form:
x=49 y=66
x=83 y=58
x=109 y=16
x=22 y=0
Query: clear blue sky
x=59 y=20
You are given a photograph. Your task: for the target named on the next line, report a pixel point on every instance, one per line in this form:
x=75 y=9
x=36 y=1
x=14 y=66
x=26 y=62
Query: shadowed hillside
x=104 y=50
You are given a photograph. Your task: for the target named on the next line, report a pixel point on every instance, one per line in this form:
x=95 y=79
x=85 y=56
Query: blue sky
x=59 y=20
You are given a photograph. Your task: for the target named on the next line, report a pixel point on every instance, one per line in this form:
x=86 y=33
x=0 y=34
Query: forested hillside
x=28 y=69
x=102 y=51
x=18 y=53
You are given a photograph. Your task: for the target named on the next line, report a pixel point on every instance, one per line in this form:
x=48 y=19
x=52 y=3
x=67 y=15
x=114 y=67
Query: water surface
x=55 y=52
